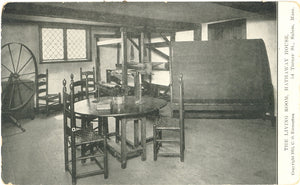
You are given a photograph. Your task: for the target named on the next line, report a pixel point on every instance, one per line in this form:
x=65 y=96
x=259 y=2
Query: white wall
x=28 y=34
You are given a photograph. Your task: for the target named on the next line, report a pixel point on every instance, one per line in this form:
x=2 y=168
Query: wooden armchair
x=45 y=101
x=168 y=124
x=75 y=138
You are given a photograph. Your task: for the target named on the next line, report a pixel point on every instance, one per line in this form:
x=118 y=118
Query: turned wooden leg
x=123 y=144
x=117 y=130
x=136 y=133
x=143 y=138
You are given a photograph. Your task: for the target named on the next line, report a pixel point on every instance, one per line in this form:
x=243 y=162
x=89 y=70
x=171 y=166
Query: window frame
x=65 y=27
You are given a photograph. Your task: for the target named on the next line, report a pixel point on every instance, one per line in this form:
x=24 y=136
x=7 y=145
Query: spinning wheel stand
x=18 y=70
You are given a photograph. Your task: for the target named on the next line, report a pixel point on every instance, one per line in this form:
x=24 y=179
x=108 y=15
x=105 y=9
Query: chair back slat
x=42 y=83
x=41 y=76
x=79 y=89
x=41 y=91
x=88 y=77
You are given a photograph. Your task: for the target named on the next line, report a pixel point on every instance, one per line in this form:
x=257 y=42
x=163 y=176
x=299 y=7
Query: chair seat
x=167 y=123
x=87 y=136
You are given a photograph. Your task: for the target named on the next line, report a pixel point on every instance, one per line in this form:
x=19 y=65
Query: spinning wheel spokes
x=19 y=57
x=19 y=69
x=11 y=58
x=25 y=64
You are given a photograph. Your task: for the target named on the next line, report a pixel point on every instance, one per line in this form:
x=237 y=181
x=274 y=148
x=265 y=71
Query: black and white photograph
x=146 y=93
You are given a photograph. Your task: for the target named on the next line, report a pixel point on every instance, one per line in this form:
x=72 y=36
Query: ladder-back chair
x=75 y=138
x=89 y=78
x=169 y=124
x=79 y=89
x=44 y=100
x=87 y=122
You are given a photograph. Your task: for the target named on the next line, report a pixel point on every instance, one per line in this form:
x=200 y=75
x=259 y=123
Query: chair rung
x=168 y=154
x=53 y=97
x=88 y=142
x=92 y=173
x=90 y=156
x=167 y=128
x=167 y=140
x=53 y=103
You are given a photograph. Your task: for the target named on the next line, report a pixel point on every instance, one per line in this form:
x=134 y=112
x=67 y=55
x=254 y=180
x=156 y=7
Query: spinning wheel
x=18 y=74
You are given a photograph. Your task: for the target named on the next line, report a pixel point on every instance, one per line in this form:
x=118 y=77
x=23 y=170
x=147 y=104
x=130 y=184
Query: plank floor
x=218 y=151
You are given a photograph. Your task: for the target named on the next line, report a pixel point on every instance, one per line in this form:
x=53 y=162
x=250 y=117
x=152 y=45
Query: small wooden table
x=127 y=108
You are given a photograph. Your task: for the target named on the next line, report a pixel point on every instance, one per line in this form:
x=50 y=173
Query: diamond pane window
x=61 y=44
x=52 y=44
x=76 y=43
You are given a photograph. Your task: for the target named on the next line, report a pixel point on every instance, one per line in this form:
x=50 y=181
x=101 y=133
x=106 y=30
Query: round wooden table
x=122 y=108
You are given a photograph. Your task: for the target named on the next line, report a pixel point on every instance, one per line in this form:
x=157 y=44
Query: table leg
x=117 y=130
x=123 y=143
x=105 y=126
x=100 y=126
x=136 y=133
x=143 y=137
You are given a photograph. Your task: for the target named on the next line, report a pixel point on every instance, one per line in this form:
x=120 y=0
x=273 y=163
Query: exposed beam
x=157 y=44
x=107 y=35
x=111 y=46
x=165 y=38
x=161 y=54
x=134 y=43
x=7 y=17
x=39 y=9
x=109 y=42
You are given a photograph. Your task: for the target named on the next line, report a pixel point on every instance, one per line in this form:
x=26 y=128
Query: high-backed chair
x=79 y=89
x=86 y=122
x=169 y=124
x=75 y=138
x=89 y=78
x=44 y=100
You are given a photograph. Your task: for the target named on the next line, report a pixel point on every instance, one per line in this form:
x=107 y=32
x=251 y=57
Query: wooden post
x=66 y=147
x=124 y=57
x=117 y=130
x=172 y=40
x=154 y=141
x=149 y=53
x=136 y=133
x=143 y=137
x=100 y=126
x=118 y=55
x=73 y=124
x=123 y=144
x=140 y=48
x=149 y=49
x=97 y=62
x=181 y=118
x=198 y=33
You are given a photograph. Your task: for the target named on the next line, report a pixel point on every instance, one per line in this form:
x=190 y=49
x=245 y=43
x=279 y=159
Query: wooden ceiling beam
x=69 y=13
